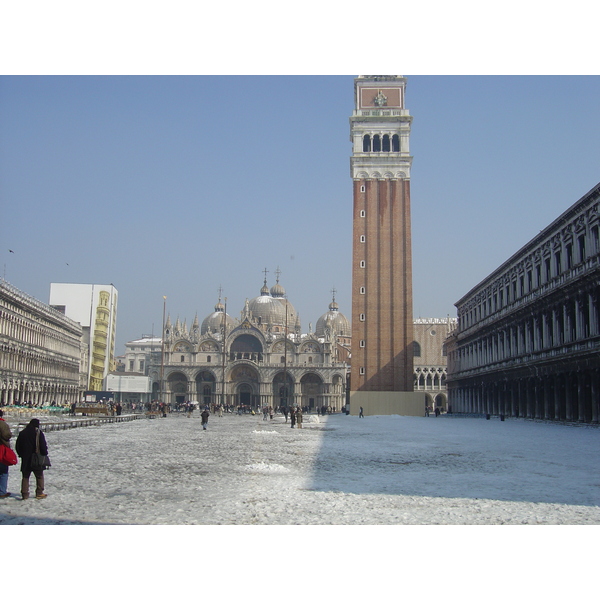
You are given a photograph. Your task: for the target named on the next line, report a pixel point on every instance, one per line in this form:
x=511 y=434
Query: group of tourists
x=32 y=448
x=295 y=415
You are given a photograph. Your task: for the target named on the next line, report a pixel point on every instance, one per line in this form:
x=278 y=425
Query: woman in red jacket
x=5 y=435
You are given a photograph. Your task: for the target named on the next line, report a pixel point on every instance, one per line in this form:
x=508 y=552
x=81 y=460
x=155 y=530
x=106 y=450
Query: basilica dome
x=278 y=291
x=214 y=321
x=266 y=309
x=293 y=319
x=335 y=320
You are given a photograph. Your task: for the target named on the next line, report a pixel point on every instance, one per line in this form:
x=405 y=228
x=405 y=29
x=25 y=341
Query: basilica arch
x=244 y=387
x=311 y=390
x=205 y=388
x=177 y=388
x=283 y=389
x=246 y=347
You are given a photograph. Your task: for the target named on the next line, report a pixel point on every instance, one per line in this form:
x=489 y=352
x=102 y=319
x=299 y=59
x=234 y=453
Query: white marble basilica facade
x=260 y=359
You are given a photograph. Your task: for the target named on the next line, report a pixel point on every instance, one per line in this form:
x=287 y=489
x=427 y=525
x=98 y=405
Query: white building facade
x=430 y=360
x=40 y=352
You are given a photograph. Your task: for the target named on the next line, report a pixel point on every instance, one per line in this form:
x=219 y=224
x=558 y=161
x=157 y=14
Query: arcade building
x=527 y=342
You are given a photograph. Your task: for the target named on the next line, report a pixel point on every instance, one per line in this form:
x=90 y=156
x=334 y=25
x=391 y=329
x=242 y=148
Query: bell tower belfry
x=382 y=312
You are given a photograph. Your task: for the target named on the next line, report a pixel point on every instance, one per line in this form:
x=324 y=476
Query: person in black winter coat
x=26 y=447
x=205 y=414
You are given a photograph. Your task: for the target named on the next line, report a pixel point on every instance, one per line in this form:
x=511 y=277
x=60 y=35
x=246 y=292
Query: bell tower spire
x=382 y=319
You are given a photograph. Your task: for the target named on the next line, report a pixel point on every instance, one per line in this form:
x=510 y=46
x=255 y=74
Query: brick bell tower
x=382 y=312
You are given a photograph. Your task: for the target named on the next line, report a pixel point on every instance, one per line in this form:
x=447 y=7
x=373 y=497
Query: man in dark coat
x=205 y=414
x=26 y=446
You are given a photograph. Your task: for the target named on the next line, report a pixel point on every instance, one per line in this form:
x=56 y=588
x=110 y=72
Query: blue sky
x=179 y=185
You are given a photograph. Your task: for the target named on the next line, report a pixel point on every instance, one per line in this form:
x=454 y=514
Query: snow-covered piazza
x=336 y=470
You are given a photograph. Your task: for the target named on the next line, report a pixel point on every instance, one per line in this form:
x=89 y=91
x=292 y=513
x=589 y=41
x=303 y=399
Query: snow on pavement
x=335 y=470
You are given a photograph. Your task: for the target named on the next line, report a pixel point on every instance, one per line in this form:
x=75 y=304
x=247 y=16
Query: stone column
x=557 y=396
x=530 y=397
x=547 y=400
x=537 y=342
x=568 y=398
x=593 y=314
x=595 y=399
x=554 y=325
x=581 y=397
x=578 y=324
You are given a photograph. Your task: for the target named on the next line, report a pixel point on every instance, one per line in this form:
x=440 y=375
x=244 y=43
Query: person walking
x=205 y=414
x=5 y=435
x=299 y=417
x=293 y=416
x=28 y=442
x=360 y=413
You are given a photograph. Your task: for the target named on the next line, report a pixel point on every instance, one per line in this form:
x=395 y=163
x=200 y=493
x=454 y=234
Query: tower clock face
x=380 y=97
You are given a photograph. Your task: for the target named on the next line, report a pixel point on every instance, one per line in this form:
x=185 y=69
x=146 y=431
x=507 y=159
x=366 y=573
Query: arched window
x=395 y=143
x=416 y=349
x=386 y=143
x=367 y=143
x=376 y=143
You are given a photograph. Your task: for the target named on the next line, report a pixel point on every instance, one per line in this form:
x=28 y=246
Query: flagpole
x=162 y=351
x=224 y=335
x=285 y=390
